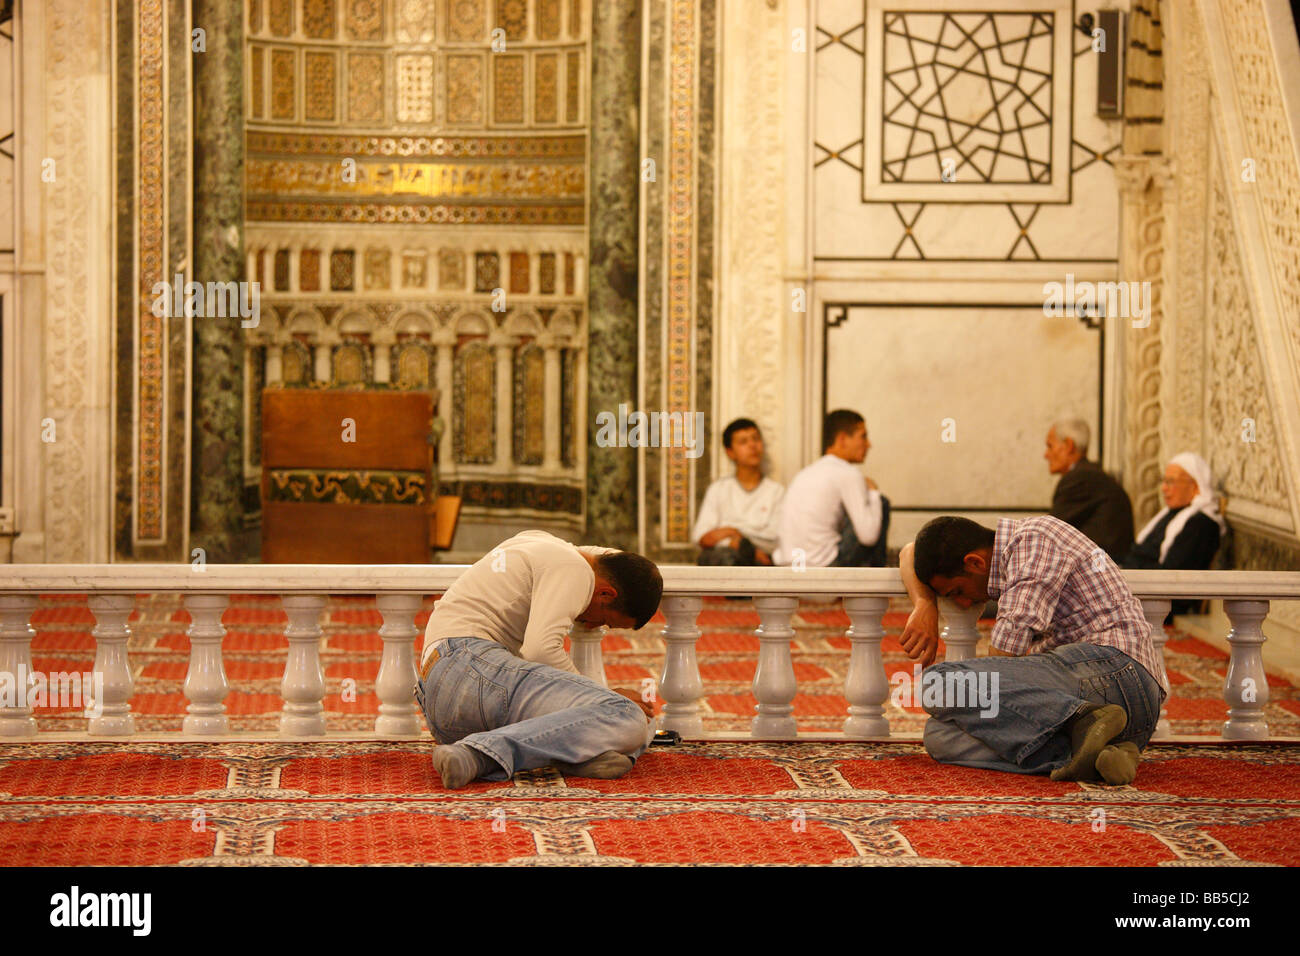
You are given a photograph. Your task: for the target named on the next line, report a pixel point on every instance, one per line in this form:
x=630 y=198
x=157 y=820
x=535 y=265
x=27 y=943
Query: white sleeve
x=863 y=506
x=768 y=537
x=709 y=516
x=550 y=618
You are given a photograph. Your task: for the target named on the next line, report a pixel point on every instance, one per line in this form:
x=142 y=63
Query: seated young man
x=498 y=689
x=1081 y=695
x=832 y=515
x=737 y=524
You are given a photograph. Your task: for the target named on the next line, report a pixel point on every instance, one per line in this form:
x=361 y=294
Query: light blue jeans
x=1037 y=696
x=523 y=714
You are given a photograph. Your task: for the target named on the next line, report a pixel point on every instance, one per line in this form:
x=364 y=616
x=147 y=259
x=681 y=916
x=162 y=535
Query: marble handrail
x=398 y=589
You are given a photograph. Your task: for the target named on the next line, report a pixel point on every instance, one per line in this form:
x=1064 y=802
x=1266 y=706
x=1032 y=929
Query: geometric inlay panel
x=967 y=106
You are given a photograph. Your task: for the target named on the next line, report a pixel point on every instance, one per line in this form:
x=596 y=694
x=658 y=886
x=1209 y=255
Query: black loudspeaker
x=1110 y=63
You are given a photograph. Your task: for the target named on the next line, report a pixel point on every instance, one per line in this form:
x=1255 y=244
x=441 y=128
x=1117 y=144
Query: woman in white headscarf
x=1184 y=535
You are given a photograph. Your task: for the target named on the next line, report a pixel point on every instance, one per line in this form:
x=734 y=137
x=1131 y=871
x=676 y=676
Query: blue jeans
x=853 y=553
x=523 y=714
x=1037 y=695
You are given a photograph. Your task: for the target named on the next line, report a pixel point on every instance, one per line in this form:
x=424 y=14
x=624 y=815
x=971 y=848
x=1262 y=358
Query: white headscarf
x=1205 y=501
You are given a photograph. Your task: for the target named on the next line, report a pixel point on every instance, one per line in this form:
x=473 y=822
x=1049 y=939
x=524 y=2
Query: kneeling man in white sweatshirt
x=498 y=689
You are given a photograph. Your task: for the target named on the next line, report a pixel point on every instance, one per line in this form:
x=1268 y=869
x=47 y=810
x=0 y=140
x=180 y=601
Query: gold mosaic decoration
x=151 y=341
x=344 y=487
x=283 y=76
x=546 y=73
x=257 y=88
x=366 y=87
x=466 y=95
x=309 y=270
x=507 y=88
x=364 y=20
x=573 y=88
x=512 y=16
x=320 y=68
x=548 y=19
x=430 y=180
x=413 y=366
x=281 y=17
x=466 y=20
x=318 y=19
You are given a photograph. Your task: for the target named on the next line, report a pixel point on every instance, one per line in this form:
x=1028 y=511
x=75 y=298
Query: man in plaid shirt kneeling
x=1079 y=682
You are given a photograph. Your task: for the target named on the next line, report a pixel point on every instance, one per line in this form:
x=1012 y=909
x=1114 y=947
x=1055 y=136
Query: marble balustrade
x=399 y=590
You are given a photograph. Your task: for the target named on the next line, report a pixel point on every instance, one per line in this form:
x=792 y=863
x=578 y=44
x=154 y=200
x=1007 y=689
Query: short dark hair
x=942 y=545
x=638 y=582
x=839 y=422
x=739 y=425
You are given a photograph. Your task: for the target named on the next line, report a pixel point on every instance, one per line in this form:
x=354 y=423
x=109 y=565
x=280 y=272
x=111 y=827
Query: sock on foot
x=607 y=766
x=458 y=764
x=1118 y=763
x=1090 y=731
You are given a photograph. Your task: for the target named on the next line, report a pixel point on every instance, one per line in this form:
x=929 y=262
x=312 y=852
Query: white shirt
x=755 y=514
x=814 y=506
x=524 y=594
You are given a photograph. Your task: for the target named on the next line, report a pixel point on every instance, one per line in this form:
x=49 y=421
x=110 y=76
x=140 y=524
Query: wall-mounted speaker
x=1110 y=63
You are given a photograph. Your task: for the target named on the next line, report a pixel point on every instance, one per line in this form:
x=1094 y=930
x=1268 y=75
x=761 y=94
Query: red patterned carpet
x=711 y=803
x=255 y=649
x=740 y=803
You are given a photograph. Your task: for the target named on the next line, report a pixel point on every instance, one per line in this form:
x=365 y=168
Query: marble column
x=218 y=370
x=612 y=275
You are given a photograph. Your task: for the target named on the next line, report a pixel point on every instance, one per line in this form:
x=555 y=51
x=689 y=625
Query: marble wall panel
x=414 y=88
x=451 y=269
x=415 y=21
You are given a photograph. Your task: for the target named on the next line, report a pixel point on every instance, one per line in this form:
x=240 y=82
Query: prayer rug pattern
x=141 y=803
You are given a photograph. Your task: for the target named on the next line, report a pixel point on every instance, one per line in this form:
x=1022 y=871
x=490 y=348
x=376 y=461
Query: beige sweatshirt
x=524 y=594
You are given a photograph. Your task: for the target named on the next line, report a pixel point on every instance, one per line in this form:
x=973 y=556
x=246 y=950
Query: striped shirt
x=1054 y=586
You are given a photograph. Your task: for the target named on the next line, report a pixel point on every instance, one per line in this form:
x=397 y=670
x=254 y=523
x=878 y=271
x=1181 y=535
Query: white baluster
x=774 y=684
x=584 y=649
x=1246 y=689
x=205 y=683
x=680 y=686
x=1156 y=610
x=866 y=687
x=395 y=684
x=303 y=687
x=960 y=629
x=110 y=710
x=16 y=663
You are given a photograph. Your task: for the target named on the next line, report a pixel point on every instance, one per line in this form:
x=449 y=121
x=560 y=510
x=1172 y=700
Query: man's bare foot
x=1090 y=732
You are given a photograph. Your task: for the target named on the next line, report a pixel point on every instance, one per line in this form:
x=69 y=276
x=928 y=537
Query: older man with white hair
x=1086 y=496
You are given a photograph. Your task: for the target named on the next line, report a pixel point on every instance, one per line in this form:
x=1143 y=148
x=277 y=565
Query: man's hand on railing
x=635 y=696
x=920 y=637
